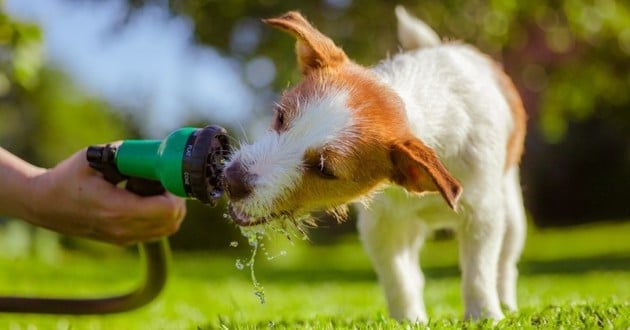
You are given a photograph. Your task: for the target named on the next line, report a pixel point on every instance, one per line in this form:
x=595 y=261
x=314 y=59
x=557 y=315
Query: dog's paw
x=413 y=316
x=479 y=314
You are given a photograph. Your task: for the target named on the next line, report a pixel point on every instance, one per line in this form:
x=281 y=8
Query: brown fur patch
x=417 y=169
x=314 y=49
x=516 y=141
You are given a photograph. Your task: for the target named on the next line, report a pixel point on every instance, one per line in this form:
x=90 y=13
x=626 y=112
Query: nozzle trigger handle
x=102 y=159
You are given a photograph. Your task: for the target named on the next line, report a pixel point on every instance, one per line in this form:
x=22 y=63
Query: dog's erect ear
x=417 y=169
x=314 y=50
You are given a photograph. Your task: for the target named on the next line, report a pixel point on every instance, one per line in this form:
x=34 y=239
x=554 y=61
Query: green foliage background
x=569 y=59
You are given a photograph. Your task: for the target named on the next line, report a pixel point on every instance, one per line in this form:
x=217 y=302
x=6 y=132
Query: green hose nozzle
x=187 y=163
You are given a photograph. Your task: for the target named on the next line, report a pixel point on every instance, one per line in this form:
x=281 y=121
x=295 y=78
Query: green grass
x=577 y=278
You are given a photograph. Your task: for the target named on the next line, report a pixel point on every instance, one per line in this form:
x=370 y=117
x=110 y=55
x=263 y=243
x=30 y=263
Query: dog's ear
x=417 y=169
x=314 y=50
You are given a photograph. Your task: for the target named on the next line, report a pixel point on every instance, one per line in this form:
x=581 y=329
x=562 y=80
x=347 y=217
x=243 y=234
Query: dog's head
x=335 y=137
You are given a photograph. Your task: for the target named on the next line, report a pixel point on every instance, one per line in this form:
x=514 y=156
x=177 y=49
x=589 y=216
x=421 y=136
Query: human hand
x=74 y=199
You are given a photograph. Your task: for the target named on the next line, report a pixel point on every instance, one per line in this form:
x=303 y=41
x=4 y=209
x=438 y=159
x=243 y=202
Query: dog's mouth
x=243 y=219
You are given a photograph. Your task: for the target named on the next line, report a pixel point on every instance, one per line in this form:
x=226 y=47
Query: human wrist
x=33 y=192
x=16 y=190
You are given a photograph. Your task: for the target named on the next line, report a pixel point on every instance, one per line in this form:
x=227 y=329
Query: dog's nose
x=237 y=181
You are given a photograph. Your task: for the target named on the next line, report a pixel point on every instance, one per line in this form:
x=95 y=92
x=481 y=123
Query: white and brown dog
x=439 y=117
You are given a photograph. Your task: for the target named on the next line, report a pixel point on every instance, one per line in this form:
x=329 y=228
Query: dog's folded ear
x=417 y=169
x=314 y=50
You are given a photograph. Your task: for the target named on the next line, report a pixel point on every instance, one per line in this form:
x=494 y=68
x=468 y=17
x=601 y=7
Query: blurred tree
x=20 y=64
x=43 y=116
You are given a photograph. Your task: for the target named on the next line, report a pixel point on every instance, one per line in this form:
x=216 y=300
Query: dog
x=428 y=138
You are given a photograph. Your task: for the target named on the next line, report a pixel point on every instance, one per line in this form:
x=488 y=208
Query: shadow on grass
x=612 y=262
x=558 y=266
x=528 y=267
x=331 y=273
x=320 y=275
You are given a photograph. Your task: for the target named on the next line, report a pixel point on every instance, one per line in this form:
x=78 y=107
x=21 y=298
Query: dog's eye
x=324 y=172
x=279 y=120
x=315 y=162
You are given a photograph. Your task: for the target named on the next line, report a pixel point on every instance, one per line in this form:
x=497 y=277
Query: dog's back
x=458 y=101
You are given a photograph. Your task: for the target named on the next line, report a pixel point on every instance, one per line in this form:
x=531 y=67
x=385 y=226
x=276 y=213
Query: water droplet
x=282 y=253
x=239 y=264
x=261 y=296
x=233 y=244
x=255 y=238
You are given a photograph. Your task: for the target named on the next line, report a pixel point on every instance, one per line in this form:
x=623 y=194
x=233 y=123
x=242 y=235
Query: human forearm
x=15 y=185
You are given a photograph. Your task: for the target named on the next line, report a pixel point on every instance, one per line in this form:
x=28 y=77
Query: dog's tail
x=414 y=33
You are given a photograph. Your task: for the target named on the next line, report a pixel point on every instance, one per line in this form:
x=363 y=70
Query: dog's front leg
x=393 y=244
x=480 y=237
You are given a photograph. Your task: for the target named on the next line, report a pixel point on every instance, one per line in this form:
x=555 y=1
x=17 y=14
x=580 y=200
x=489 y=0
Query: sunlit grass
x=571 y=278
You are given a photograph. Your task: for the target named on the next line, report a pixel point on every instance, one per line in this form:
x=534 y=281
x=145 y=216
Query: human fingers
x=129 y=218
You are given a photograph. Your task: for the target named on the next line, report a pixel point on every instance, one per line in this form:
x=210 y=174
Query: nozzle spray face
x=203 y=161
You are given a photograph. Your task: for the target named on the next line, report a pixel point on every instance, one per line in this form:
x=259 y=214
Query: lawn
x=575 y=278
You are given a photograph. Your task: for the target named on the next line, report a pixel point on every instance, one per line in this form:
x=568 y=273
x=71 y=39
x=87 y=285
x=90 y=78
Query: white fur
x=414 y=33
x=274 y=162
x=456 y=107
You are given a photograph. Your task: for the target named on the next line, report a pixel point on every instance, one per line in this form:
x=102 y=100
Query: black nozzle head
x=206 y=153
x=101 y=154
x=103 y=159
